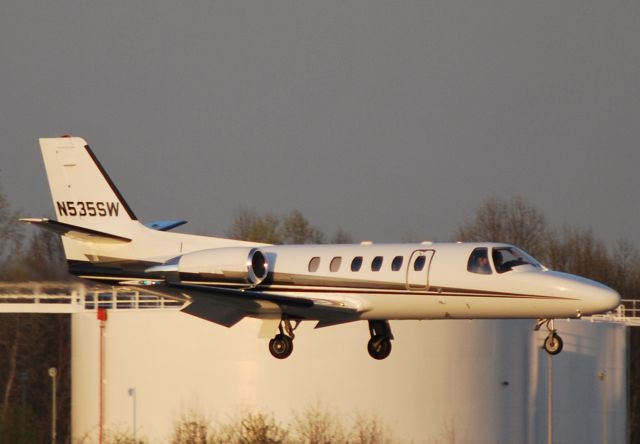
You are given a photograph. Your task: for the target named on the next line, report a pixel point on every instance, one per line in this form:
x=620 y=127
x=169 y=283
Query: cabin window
x=418 y=264
x=479 y=262
x=356 y=263
x=314 y=263
x=396 y=264
x=335 y=263
x=376 y=263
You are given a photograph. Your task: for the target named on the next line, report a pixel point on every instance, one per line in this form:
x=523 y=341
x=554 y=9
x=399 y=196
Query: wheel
x=553 y=344
x=281 y=346
x=379 y=347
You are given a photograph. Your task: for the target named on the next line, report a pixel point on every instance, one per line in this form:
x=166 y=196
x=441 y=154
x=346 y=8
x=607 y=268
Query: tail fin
x=96 y=223
x=82 y=192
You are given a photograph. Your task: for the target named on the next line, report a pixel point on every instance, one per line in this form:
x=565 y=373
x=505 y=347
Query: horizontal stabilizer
x=165 y=225
x=77 y=233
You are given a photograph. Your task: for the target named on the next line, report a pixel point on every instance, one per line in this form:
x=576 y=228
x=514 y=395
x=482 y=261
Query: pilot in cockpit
x=479 y=262
x=497 y=260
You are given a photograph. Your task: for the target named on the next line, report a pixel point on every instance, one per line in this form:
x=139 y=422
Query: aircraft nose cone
x=599 y=298
x=594 y=297
x=608 y=299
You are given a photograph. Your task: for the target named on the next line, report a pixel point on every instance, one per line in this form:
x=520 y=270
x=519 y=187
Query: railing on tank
x=629 y=308
x=627 y=311
x=56 y=297
x=117 y=299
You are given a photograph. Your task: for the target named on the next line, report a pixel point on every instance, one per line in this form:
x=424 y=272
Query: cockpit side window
x=479 y=261
x=506 y=258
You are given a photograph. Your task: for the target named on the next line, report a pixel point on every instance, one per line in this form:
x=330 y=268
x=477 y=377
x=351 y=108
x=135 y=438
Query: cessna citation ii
x=225 y=280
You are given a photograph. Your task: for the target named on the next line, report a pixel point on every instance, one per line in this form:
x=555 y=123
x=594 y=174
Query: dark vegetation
x=31 y=344
x=574 y=250
x=315 y=424
x=292 y=228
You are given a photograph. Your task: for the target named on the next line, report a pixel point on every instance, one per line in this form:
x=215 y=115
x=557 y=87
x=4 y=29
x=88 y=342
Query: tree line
x=292 y=228
x=570 y=249
x=31 y=344
x=313 y=424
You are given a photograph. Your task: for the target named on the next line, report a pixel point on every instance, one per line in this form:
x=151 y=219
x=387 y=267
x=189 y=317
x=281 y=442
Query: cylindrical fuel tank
x=477 y=381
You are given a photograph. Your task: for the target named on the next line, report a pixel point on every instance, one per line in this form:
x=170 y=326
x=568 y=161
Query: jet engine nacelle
x=233 y=264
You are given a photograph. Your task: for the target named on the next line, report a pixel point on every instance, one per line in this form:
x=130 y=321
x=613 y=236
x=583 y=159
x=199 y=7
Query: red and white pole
x=102 y=317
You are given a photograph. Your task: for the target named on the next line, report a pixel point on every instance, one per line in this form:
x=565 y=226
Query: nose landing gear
x=553 y=342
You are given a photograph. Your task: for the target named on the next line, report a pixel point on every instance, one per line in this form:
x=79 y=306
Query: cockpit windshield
x=507 y=258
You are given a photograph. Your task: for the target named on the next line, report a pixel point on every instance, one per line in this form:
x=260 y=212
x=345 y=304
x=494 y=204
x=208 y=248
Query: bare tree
x=316 y=424
x=11 y=233
x=112 y=435
x=369 y=429
x=296 y=229
x=249 y=225
x=313 y=425
x=511 y=220
x=570 y=249
x=293 y=228
x=342 y=237
x=192 y=428
x=41 y=258
x=625 y=274
x=253 y=428
x=577 y=251
x=119 y=436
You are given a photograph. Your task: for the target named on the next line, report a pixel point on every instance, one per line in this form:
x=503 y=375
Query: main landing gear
x=379 y=346
x=553 y=341
x=281 y=345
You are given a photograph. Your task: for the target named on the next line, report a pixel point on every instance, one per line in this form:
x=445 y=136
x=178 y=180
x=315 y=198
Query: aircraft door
x=418 y=271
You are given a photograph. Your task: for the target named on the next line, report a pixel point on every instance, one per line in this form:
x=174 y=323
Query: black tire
x=281 y=346
x=553 y=344
x=379 y=347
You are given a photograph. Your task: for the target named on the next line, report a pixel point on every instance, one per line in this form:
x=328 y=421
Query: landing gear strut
x=281 y=345
x=379 y=346
x=553 y=342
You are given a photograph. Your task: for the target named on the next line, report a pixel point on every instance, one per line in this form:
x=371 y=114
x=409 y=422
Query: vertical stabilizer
x=82 y=192
x=96 y=223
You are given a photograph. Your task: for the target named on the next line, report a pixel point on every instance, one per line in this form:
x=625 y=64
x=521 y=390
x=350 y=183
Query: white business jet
x=225 y=280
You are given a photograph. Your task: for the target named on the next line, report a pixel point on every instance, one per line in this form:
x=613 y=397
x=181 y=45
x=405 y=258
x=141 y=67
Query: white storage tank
x=480 y=381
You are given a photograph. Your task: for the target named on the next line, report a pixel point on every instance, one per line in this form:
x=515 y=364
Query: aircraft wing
x=227 y=306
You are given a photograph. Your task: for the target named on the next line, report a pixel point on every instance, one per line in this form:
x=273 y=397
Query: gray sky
x=383 y=118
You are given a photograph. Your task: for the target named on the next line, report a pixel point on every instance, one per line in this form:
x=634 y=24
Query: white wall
x=485 y=379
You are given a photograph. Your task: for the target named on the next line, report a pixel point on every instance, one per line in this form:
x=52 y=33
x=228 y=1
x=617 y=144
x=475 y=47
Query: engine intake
x=233 y=264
